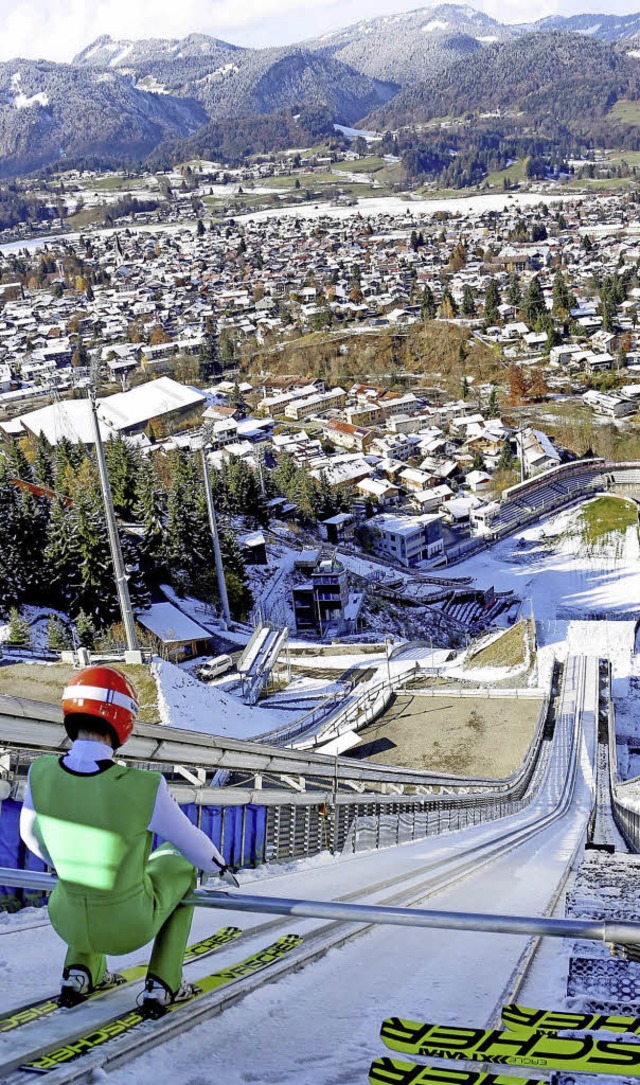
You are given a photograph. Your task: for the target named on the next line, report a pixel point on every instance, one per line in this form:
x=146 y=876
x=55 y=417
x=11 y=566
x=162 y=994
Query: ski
x=390 y=1072
x=522 y=1018
x=83 y=1043
x=42 y=1007
x=583 y=1054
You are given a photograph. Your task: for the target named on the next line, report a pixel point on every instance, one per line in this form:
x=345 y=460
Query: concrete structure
x=408 y=539
x=323 y=600
x=317 y=404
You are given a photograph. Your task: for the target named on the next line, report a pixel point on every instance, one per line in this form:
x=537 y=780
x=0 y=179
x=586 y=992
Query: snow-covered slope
x=605 y=27
x=185 y=702
x=410 y=46
x=51 y=111
x=107 y=52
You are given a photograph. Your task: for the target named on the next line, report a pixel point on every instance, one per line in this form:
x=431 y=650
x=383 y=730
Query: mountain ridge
x=550 y=78
x=127 y=97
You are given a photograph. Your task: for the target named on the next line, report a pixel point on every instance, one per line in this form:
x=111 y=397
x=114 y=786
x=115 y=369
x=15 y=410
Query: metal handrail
x=602 y=930
x=33 y=726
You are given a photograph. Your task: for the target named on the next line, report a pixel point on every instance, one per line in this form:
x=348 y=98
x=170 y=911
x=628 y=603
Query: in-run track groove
x=505 y=835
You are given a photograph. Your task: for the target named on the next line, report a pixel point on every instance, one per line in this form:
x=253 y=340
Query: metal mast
x=523 y=473
x=114 y=539
x=213 y=524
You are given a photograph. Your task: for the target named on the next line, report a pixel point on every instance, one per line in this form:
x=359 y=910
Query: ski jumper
x=93 y=820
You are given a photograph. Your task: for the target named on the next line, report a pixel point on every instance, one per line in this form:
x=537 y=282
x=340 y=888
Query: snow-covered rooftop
x=162 y=396
x=170 y=624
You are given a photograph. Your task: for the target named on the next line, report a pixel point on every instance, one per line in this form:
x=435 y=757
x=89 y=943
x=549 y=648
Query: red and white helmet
x=105 y=693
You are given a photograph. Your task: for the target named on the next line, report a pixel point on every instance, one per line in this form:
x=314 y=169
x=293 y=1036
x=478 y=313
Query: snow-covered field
x=396 y=205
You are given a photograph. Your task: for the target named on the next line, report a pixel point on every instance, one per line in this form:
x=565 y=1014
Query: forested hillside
x=52 y=111
x=231 y=141
x=544 y=81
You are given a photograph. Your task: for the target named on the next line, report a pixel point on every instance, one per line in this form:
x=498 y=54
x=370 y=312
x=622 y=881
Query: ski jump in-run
x=93 y=820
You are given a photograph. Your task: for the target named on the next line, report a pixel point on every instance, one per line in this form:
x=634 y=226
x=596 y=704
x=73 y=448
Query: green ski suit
x=113 y=893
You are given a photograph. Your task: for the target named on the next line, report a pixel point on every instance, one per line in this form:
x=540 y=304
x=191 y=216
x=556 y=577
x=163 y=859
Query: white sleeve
x=169 y=822
x=29 y=829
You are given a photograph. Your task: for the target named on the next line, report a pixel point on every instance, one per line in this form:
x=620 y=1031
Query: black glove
x=227 y=875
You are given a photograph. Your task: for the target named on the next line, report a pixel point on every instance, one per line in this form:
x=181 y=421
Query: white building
x=407 y=539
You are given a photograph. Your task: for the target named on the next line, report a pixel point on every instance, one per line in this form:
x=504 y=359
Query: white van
x=215 y=667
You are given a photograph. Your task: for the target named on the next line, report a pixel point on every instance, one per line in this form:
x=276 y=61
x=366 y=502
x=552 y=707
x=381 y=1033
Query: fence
x=353 y=825
x=625 y=809
x=249 y=830
x=239 y=832
x=480 y=691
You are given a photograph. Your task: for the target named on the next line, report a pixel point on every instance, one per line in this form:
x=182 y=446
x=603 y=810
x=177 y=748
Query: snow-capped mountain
x=604 y=27
x=106 y=52
x=229 y=81
x=52 y=111
x=142 y=93
x=124 y=96
x=415 y=44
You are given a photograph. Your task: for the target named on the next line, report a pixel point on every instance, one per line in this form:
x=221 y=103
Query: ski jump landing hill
x=329 y=1015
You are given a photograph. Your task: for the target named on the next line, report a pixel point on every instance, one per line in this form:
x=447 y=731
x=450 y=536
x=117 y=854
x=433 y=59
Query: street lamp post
x=122 y=586
x=213 y=524
x=388 y=642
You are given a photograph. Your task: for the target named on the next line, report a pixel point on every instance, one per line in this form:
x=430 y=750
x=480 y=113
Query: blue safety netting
x=241 y=846
x=14 y=854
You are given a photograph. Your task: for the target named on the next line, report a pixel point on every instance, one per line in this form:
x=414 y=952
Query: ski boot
x=76 y=985
x=157 y=997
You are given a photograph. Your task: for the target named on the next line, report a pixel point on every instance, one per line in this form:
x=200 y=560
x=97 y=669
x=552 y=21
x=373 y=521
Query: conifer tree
x=561 y=295
x=123 y=466
x=492 y=300
x=209 y=353
x=58 y=639
x=188 y=537
x=96 y=590
x=19 y=633
x=62 y=557
x=68 y=459
x=468 y=301
x=85 y=630
x=238 y=591
x=427 y=304
x=534 y=304
x=150 y=513
x=29 y=540
x=17 y=463
x=11 y=570
x=43 y=462
x=514 y=291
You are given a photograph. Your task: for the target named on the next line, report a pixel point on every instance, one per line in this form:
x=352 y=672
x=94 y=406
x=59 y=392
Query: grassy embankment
x=605 y=517
x=508 y=650
x=625 y=111
x=439 y=355
x=46 y=681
